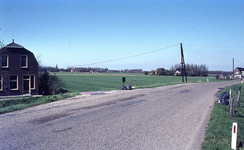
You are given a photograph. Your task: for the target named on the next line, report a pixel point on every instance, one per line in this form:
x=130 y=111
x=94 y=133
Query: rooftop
x=14 y=45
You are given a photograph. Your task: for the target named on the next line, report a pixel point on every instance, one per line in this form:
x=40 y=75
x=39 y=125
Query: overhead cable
x=129 y=56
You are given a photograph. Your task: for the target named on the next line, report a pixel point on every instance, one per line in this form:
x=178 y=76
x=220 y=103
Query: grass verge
x=18 y=104
x=219 y=130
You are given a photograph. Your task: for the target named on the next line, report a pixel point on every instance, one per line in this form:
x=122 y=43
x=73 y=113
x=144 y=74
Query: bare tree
x=177 y=66
x=39 y=61
x=172 y=68
x=2 y=43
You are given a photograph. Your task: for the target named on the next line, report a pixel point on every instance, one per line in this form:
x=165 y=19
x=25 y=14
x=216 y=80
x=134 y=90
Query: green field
x=83 y=82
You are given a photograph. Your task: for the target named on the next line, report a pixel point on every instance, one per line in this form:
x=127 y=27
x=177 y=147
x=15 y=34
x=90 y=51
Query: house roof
x=226 y=73
x=16 y=49
x=178 y=69
x=13 y=46
x=240 y=69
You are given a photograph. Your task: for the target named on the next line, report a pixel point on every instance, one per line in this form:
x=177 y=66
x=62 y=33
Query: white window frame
x=1 y=82
x=25 y=62
x=7 y=61
x=17 y=83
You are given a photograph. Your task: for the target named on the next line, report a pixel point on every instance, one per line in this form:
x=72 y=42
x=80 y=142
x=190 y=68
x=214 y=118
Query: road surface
x=169 y=117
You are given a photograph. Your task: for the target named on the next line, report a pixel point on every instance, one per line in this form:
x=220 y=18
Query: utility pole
x=183 y=67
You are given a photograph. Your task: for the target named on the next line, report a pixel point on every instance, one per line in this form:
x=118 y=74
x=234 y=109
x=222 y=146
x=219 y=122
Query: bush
x=146 y=72
x=49 y=84
x=169 y=72
x=217 y=77
x=160 y=72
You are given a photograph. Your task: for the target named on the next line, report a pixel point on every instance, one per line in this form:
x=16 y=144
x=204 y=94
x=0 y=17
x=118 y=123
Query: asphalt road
x=170 y=117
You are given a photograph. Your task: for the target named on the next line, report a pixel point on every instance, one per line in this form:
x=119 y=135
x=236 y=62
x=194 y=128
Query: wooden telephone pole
x=183 y=67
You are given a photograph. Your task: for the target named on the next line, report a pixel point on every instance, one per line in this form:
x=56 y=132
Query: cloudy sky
x=127 y=34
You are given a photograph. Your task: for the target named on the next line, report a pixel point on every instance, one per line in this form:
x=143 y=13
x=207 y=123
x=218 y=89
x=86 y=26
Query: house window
x=4 y=61
x=32 y=77
x=13 y=82
x=23 y=61
x=1 y=83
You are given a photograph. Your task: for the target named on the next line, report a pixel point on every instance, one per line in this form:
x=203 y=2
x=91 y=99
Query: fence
x=232 y=102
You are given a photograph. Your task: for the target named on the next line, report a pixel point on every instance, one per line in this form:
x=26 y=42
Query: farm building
x=18 y=71
x=135 y=71
x=239 y=73
x=214 y=73
x=225 y=75
x=177 y=72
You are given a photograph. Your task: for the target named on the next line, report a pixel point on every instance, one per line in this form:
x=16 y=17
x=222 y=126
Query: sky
x=127 y=34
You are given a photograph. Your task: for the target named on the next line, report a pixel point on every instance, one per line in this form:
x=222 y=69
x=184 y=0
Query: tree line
x=176 y=70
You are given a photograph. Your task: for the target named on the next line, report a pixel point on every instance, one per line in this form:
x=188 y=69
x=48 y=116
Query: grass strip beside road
x=25 y=102
x=219 y=130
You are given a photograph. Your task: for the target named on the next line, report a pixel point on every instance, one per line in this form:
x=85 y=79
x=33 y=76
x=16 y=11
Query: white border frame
x=7 y=61
x=26 y=61
x=16 y=82
x=1 y=82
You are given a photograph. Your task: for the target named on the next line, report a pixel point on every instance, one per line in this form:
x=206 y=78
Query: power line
x=129 y=56
x=200 y=54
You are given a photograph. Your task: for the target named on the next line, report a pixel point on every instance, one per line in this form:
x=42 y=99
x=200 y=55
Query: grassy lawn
x=83 y=82
x=218 y=134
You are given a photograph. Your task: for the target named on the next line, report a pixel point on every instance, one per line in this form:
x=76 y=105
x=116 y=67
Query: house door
x=26 y=84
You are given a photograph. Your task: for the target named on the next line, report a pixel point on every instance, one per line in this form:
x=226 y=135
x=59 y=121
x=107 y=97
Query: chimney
x=13 y=40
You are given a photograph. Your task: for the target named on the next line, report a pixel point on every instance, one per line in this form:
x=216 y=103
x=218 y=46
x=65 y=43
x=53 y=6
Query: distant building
x=239 y=73
x=214 y=73
x=72 y=70
x=113 y=71
x=177 y=72
x=18 y=71
x=135 y=71
x=225 y=75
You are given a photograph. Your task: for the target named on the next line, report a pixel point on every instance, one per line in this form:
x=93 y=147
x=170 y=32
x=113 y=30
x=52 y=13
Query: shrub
x=146 y=72
x=49 y=84
x=217 y=77
x=160 y=72
x=169 y=72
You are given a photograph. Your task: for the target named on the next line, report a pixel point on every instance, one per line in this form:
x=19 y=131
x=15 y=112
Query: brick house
x=238 y=73
x=18 y=71
x=225 y=75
